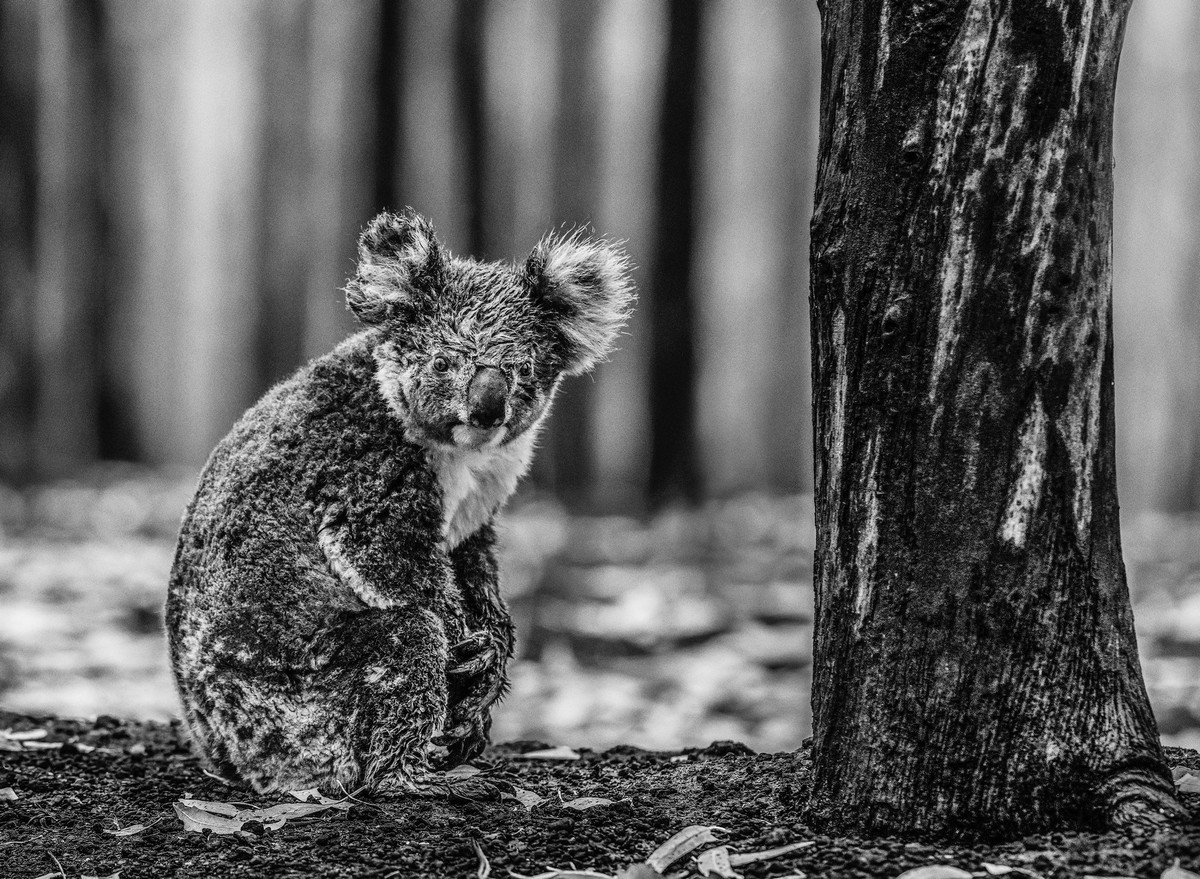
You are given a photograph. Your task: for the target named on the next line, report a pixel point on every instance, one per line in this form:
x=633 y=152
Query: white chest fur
x=476 y=482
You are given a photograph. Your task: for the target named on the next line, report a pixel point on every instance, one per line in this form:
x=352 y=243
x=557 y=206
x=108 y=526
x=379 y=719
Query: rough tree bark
x=975 y=660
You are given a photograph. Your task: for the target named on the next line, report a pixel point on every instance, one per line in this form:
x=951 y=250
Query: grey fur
x=334 y=606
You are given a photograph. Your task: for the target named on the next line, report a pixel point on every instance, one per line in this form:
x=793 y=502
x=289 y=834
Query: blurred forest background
x=181 y=188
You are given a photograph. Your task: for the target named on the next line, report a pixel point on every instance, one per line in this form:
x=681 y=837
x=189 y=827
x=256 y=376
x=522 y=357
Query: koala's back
x=250 y=587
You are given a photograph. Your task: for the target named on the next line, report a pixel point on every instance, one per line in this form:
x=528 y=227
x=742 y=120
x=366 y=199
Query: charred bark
x=975 y=660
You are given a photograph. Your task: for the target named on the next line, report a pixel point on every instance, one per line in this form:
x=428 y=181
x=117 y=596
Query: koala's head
x=471 y=353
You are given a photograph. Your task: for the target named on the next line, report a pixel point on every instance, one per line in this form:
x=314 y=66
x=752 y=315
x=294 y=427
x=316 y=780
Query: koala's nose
x=486 y=397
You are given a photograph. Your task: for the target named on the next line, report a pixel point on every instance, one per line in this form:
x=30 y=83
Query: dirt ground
x=65 y=790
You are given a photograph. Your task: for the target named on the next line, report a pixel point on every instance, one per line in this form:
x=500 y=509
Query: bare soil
x=68 y=796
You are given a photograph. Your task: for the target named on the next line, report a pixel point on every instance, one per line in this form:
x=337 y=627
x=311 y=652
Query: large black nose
x=486 y=397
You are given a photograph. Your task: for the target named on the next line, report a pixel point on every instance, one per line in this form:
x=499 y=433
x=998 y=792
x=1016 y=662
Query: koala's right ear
x=399 y=259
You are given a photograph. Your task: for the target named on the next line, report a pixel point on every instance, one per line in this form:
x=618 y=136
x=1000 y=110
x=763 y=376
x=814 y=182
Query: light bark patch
x=1027 y=490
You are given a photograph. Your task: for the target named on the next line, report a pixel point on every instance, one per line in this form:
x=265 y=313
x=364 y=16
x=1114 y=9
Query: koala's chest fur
x=476 y=482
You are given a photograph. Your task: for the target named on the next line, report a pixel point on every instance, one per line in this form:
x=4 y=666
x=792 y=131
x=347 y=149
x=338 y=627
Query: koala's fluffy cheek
x=391 y=378
x=529 y=409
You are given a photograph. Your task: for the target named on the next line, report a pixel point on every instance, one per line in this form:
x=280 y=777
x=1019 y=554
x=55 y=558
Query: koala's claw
x=473 y=655
x=474 y=666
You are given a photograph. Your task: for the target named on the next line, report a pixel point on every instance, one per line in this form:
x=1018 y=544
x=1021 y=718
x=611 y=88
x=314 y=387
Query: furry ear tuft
x=584 y=282
x=398 y=256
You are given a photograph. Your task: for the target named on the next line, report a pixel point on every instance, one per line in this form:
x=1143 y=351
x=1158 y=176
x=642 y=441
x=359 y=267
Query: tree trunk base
x=1139 y=799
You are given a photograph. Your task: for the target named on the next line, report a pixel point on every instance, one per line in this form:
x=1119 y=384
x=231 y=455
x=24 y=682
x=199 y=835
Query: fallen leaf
x=638 y=871
x=283 y=812
x=484 y=870
x=24 y=735
x=582 y=803
x=563 y=874
x=116 y=875
x=41 y=746
x=227 y=809
x=1177 y=872
x=83 y=747
x=679 y=758
x=7 y=793
x=935 y=871
x=716 y=860
x=56 y=875
x=1006 y=870
x=198 y=820
x=561 y=752
x=738 y=860
x=464 y=770
x=1094 y=876
x=1178 y=772
x=313 y=794
x=690 y=838
x=131 y=829
x=1188 y=784
x=527 y=798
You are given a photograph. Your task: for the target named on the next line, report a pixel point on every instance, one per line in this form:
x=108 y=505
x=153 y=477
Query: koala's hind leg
x=389 y=667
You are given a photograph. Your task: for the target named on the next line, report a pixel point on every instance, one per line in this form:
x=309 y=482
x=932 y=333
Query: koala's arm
x=478 y=672
x=477 y=575
x=381 y=533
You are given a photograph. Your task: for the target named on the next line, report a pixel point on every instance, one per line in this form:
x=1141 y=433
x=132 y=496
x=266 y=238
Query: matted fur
x=337 y=561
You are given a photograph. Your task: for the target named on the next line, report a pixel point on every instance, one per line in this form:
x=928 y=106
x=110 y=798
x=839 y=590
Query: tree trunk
x=975 y=660
x=576 y=193
x=68 y=222
x=674 y=472
x=18 y=198
x=470 y=96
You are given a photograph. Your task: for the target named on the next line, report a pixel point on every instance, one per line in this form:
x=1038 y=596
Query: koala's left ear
x=584 y=283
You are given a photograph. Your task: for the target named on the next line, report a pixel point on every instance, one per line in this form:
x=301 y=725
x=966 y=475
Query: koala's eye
x=526 y=369
x=441 y=364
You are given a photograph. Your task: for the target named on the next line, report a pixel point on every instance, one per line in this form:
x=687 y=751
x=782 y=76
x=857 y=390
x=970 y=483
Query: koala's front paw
x=474 y=655
x=476 y=675
x=464 y=741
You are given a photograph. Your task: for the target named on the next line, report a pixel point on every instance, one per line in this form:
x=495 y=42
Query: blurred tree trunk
x=759 y=114
x=470 y=96
x=18 y=148
x=284 y=164
x=389 y=92
x=576 y=191
x=674 y=470
x=975 y=660
x=69 y=228
x=341 y=143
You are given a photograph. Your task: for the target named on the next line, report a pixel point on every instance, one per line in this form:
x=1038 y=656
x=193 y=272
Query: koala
x=334 y=615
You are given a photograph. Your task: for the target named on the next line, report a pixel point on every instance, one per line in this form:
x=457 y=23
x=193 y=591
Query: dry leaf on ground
x=198 y=820
x=1177 y=872
x=716 y=861
x=935 y=871
x=526 y=798
x=131 y=829
x=689 y=839
x=582 y=803
x=560 y=752
x=1006 y=870
x=738 y=859
x=7 y=794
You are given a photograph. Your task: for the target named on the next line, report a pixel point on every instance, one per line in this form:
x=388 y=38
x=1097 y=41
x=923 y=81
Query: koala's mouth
x=468 y=436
